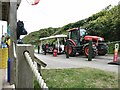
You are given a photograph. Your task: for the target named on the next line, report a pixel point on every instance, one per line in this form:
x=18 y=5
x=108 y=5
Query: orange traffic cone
x=115 y=58
x=55 y=52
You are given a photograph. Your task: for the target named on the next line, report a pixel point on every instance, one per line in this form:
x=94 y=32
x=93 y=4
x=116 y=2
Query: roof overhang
x=52 y=37
x=72 y=29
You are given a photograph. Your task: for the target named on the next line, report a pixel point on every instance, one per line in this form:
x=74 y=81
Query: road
x=59 y=62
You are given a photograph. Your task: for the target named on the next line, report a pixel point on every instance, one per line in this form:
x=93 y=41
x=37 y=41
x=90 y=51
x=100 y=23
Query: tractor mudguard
x=84 y=45
x=70 y=40
x=102 y=48
x=72 y=44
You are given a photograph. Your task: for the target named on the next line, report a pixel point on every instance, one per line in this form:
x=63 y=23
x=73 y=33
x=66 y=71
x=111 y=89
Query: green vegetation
x=112 y=48
x=105 y=23
x=36 y=85
x=79 y=78
x=35 y=36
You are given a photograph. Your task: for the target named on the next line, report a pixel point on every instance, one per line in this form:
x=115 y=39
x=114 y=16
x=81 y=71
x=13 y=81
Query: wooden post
x=0 y=10
x=39 y=68
x=58 y=44
x=13 y=21
x=90 y=52
x=40 y=46
x=24 y=74
x=67 y=53
x=39 y=64
x=38 y=49
x=13 y=38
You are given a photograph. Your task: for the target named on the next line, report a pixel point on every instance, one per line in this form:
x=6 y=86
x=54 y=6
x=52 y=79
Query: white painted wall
x=4 y=24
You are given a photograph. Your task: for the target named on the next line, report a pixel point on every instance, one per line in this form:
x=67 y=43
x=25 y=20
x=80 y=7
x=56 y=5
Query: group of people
x=5 y=41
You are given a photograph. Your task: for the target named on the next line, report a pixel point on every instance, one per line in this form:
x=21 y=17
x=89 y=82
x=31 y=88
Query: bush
x=36 y=85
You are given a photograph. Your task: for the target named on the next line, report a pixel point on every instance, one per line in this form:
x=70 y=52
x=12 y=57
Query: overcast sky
x=57 y=13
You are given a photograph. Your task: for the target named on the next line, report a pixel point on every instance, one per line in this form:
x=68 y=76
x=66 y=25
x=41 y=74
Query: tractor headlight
x=100 y=39
x=94 y=47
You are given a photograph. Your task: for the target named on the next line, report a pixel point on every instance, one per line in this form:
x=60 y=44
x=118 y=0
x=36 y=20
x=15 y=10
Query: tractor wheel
x=86 y=51
x=71 y=51
x=102 y=52
x=102 y=49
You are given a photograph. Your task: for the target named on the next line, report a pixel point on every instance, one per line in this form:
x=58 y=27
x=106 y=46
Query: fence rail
x=113 y=42
x=35 y=71
x=26 y=68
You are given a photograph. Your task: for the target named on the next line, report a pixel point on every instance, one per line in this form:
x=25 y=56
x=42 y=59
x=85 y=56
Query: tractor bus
x=48 y=44
x=78 y=41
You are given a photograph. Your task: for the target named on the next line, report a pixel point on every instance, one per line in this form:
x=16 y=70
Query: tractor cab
x=77 y=35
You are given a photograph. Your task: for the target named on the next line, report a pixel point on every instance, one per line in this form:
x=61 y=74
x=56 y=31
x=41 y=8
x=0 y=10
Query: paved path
x=3 y=80
x=99 y=62
x=2 y=77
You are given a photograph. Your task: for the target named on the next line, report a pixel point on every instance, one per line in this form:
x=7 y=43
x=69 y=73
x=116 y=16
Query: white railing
x=27 y=66
x=14 y=50
x=35 y=71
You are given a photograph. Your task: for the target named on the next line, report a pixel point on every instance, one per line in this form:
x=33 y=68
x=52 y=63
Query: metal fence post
x=13 y=39
x=38 y=49
x=90 y=51
x=67 y=53
x=24 y=74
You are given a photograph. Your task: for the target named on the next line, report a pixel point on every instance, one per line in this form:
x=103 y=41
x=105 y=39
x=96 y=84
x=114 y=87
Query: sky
x=57 y=13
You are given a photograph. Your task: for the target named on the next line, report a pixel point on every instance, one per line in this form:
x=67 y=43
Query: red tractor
x=78 y=42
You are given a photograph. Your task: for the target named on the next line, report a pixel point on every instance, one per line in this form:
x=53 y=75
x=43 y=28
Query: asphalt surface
x=60 y=62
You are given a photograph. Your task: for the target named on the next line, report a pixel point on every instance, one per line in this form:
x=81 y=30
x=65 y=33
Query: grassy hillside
x=104 y=23
x=35 y=36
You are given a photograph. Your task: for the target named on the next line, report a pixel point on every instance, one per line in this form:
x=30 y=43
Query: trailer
x=48 y=44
